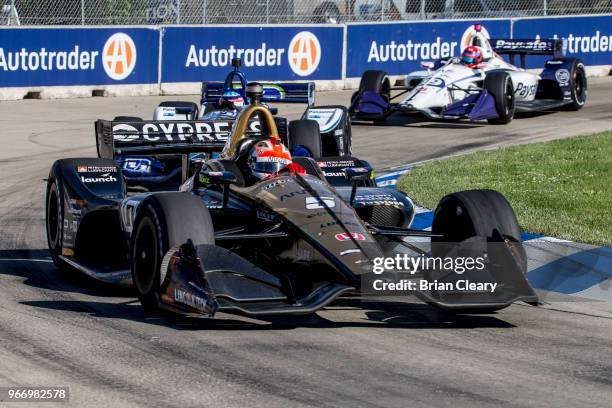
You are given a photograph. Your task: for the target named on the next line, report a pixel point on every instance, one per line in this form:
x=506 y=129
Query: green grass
x=561 y=188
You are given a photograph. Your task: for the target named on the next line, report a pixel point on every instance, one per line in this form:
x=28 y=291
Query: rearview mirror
x=208 y=177
x=356 y=174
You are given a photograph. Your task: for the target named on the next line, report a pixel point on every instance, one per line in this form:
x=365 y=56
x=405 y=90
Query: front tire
x=486 y=213
x=499 y=85
x=164 y=221
x=376 y=81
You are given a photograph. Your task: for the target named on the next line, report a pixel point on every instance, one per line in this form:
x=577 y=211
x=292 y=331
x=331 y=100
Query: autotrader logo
x=304 y=53
x=119 y=56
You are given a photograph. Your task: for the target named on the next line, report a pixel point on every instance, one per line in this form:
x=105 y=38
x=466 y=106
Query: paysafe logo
x=119 y=56
x=304 y=53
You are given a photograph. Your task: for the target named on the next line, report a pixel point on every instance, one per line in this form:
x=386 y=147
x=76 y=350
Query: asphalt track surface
x=60 y=329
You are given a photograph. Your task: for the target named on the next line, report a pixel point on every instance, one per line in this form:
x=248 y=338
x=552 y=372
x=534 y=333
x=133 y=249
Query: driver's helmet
x=231 y=100
x=472 y=56
x=268 y=157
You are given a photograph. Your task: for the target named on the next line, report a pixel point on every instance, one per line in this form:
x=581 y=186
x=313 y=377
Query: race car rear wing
x=151 y=137
x=523 y=47
x=299 y=92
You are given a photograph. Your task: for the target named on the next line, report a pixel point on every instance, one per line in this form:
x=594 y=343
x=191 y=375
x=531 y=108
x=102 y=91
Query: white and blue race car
x=493 y=90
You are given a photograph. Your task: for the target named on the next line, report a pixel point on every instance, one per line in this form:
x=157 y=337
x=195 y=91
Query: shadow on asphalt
x=396 y=120
x=34 y=266
x=403 y=316
x=378 y=315
x=417 y=121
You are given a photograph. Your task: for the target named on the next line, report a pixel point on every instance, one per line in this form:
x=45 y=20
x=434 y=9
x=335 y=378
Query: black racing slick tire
x=486 y=213
x=376 y=81
x=54 y=221
x=305 y=133
x=499 y=85
x=164 y=221
x=578 y=85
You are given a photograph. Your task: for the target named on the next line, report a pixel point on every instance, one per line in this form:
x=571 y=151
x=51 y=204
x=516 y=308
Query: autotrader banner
x=78 y=56
x=398 y=48
x=194 y=54
x=588 y=38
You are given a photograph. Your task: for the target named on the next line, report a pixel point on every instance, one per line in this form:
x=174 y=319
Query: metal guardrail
x=135 y=12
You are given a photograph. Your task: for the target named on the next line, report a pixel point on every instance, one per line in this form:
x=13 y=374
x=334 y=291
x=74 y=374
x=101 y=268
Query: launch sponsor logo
x=102 y=178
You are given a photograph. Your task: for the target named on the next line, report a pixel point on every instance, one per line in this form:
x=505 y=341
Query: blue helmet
x=231 y=99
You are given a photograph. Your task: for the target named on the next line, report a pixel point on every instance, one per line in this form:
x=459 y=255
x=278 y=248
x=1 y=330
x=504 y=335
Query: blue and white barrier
x=282 y=53
x=58 y=60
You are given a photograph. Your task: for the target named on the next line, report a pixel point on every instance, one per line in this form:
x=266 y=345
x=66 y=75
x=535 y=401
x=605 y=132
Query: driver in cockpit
x=265 y=158
x=252 y=158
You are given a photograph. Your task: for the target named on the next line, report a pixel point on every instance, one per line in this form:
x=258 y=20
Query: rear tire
x=54 y=221
x=348 y=136
x=499 y=85
x=127 y=119
x=487 y=213
x=305 y=133
x=578 y=84
x=164 y=221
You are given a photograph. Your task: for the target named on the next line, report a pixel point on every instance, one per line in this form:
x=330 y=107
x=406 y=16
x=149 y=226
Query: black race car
x=289 y=244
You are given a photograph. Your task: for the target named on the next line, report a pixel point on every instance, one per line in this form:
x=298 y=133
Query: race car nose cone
x=254 y=91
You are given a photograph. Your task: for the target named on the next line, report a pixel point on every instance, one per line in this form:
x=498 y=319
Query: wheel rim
x=145 y=258
x=53 y=217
